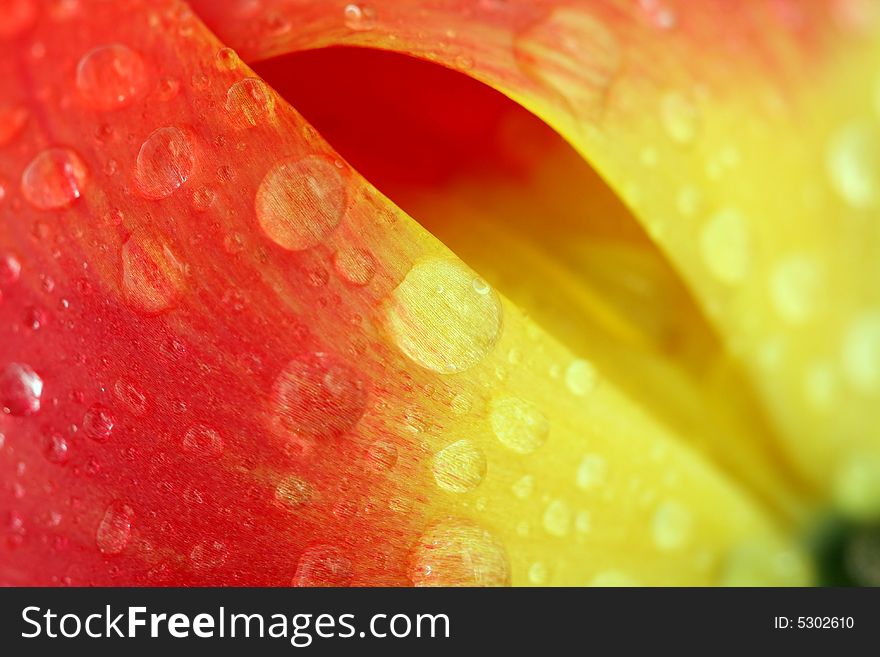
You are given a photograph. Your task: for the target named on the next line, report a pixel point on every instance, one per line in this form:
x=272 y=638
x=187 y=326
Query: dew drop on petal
x=794 y=287
x=724 y=246
x=152 y=275
x=323 y=565
x=292 y=492
x=165 y=161
x=56 y=448
x=98 y=423
x=853 y=164
x=456 y=552
x=249 y=102
x=111 y=76
x=459 y=467
x=355 y=266
x=21 y=390
x=671 y=526
x=591 y=472
x=208 y=555
x=10 y=269
x=114 y=530
x=316 y=395
x=679 y=117
x=580 y=377
x=54 y=179
x=519 y=424
x=359 y=18
x=299 y=203
x=557 y=518
x=439 y=320
x=203 y=442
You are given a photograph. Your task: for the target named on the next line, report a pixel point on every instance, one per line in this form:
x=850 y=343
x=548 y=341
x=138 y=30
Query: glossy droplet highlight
x=165 y=161
x=459 y=553
x=54 y=179
x=459 y=467
x=317 y=395
x=591 y=472
x=299 y=203
x=724 y=246
x=114 y=530
x=98 y=423
x=438 y=318
x=21 y=390
x=671 y=526
x=323 y=565
x=152 y=275
x=10 y=269
x=203 y=442
x=519 y=424
x=853 y=164
x=249 y=102
x=557 y=518
x=580 y=377
x=359 y=18
x=110 y=77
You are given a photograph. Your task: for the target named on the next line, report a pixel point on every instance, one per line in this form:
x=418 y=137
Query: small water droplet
x=795 y=284
x=519 y=424
x=317 y=395
x=725 y=247
x=167 y=89
x=359 y=18
x=114 y=530
x=152 y=275
x=250 y=102
x=671 y=526
x=56 y=448
x=203 y=441
x=10 y=269
x=21 y=390
x=132 y=398
x=591 y=472
x=226 y=59
x=861 y=352
x=459 y=467
x=299 y=203
x=355 y=266
x=538 y=573
x=853 y=163
x=165 y=161
x=54 y=179
x=98 y=423
x=323 y=565
x=679 y=116
x=557 y=518
x=12 y=120
x=203 y=198
x=439 y=320
x=659 y=14
x=580 y=377
x=523 y=487
x=110 y=77
x=456 y=552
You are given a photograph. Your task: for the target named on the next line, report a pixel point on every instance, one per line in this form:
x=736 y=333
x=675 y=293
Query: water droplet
x=167 y=89
x=659 y=14
x=250 y=102
x=110 y=77
x=152 y=275
x=323 y=565
x=518 y=424
x=524 y=486
x=439 y=320
x=12 y=120
x=226 y=59
x=98 y=423
x=316 y=395
x=114 y=530
x=794 y=287
x=557 y=518
x=10 y=269
x=724 y=246
x=671 y=526
x=132 y=398
x=21 y=390
x=861 y=352
x=165 y=161
x=203 y=441
x=538 y=573
x=355 y=266
x=591 y=472
x=292 y=492
x=54 y=179
x=56 y=448
x=459 y=553
x=583 y=522
x=459 y=467
x=580 y=377
x=203 y=198
x=16 y=16
x=853 y=163
x=299 y=203
x=679 y=116
x=573 y=54
x=359 y=18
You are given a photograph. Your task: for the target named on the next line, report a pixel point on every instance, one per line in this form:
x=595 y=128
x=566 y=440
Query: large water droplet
x=114 y=530
x=519 y=424
x=853 y=163
x=110 y=77
x=203 y=441
x=21 y=390
x=54 y=179
x=440 y=320
x=459 y=467
x=249 y=102
x=165 y=161
x=459 y=553
x=323 y=565
x=671 y=526
x=574 y=54
x=299 y=203
x=724 y=246
x=98 y=423
x=152 y=275
x=316 y=395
